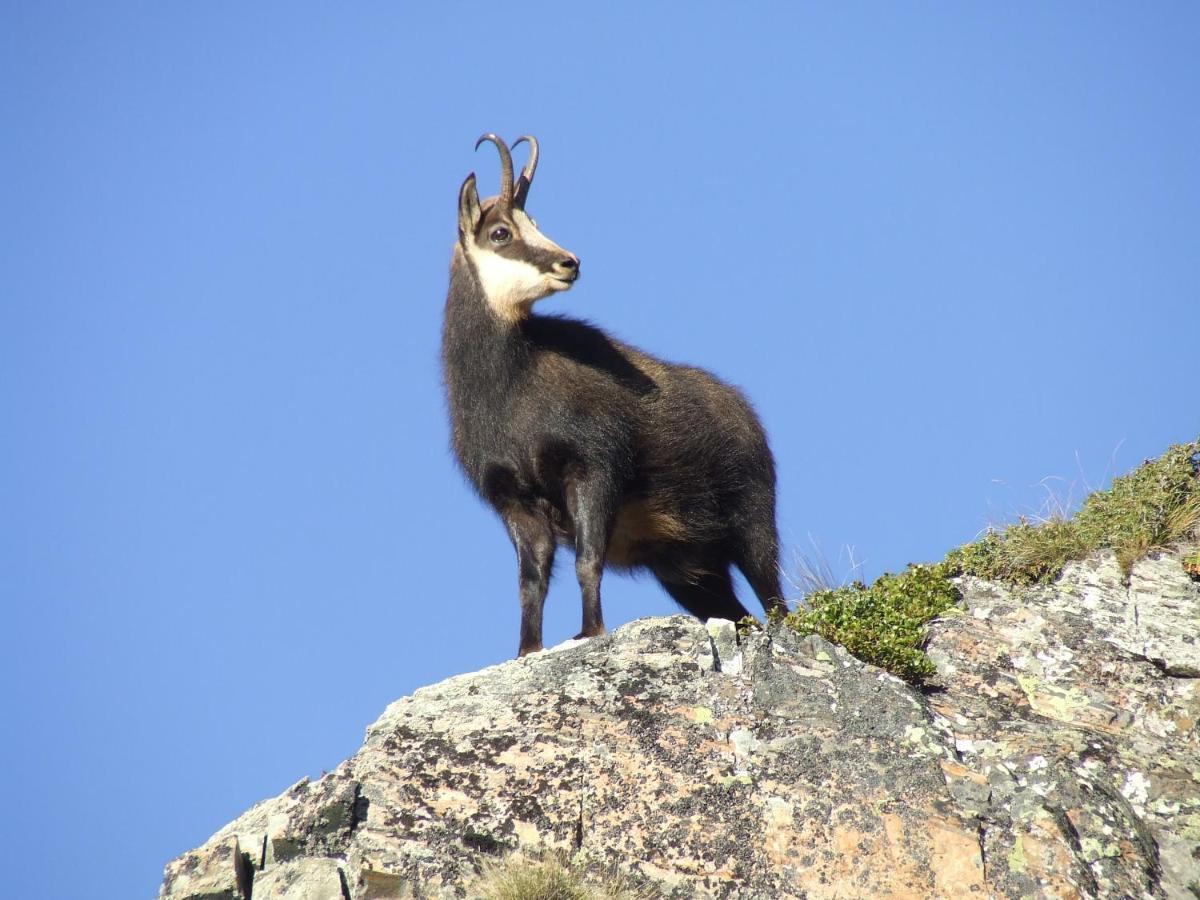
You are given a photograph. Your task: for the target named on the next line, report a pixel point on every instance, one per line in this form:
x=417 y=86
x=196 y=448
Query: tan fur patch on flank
x=640 y=522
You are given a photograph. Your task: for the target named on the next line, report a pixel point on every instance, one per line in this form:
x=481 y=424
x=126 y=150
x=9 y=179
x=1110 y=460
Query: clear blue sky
x=948 y=252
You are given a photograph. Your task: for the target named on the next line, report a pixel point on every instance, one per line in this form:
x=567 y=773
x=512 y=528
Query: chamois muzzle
x=567 y=268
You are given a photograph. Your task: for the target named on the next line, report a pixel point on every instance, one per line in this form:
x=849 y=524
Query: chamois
x=575 y=438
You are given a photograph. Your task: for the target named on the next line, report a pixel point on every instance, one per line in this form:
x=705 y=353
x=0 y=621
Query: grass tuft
x=555 y=876
x=1153 y=506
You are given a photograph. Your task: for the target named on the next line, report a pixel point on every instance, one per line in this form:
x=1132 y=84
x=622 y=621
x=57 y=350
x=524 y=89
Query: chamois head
x=516 y=264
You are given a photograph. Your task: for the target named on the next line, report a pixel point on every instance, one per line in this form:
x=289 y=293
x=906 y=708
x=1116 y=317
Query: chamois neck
x=481 y=352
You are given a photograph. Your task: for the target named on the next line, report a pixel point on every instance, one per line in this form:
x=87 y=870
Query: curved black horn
x=526 y=179
x=506 y=168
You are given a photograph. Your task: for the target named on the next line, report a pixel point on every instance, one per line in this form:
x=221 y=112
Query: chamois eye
x=500 y=235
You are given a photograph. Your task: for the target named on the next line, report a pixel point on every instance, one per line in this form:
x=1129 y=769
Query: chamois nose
x=568 y=266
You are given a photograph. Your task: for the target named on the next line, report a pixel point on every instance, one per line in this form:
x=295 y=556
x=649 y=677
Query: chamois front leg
x=591 y=505
x=533 y=539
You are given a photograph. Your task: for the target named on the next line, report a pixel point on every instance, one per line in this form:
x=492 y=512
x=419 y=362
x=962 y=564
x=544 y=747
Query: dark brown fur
x=575 y=438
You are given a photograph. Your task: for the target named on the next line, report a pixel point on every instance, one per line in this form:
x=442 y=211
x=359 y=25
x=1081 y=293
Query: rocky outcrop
x=1056 y=754
x=1074 y=714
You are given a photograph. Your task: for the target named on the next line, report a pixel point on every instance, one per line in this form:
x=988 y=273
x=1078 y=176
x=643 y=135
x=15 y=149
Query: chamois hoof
x=589 y=633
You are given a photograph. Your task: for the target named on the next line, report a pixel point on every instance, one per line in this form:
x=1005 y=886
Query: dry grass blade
x=1148 y=509
x=555 y=876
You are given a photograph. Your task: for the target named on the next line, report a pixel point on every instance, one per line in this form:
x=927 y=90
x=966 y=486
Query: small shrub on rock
x=883 y=624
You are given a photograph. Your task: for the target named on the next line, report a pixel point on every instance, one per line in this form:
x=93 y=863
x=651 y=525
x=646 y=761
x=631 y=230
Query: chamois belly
x=641 y=530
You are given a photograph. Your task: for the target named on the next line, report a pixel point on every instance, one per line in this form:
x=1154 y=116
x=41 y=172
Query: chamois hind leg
x=706 y=595
x=591 y=508
x=756 y=553
x=533 y=539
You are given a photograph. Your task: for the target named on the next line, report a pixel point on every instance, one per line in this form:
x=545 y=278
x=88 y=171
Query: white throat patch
x=511 y=286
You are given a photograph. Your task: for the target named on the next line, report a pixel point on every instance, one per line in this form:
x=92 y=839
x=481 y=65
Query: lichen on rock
x=1055 y=753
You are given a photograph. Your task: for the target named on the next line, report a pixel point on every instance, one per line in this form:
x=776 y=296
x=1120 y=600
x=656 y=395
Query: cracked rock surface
x=1056 y=754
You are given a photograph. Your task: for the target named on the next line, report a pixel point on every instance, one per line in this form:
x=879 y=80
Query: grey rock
x=1165 y=602
x=301 y=879
x=216 y=871
x=1057 y=755
x=1154 y=614
x=1074 y=702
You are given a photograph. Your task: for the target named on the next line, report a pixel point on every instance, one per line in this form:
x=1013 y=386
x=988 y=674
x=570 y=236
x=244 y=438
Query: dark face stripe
x=540 y=258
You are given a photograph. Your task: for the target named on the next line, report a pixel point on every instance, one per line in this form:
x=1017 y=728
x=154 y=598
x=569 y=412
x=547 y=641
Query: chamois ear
x=469 y=212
